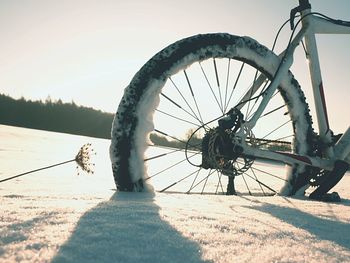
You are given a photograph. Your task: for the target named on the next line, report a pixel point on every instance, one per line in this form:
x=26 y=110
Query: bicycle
x=257 y=118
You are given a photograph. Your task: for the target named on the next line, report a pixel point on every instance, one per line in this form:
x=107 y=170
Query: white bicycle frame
x=311 y=25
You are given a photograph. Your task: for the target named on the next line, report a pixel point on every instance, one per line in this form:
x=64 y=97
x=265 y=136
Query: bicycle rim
x=192 y=91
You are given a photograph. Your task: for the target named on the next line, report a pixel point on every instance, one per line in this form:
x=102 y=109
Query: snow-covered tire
x=133 y=121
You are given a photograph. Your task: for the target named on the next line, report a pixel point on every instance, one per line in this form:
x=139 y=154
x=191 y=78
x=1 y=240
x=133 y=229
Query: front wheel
x=174 y=103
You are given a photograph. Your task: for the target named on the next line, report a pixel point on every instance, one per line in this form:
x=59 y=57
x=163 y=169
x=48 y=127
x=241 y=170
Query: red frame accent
x=297 y=157
x=323 y=99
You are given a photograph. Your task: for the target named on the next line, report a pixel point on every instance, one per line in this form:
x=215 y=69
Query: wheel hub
x=221 y=146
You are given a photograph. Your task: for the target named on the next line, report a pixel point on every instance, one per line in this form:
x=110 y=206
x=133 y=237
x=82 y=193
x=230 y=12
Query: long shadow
x=127 y=228
x=322 y=228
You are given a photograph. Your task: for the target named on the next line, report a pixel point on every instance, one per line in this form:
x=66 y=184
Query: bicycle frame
x=311 y=25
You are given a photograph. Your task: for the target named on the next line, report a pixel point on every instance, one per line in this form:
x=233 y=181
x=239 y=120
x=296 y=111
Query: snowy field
x=59 y=216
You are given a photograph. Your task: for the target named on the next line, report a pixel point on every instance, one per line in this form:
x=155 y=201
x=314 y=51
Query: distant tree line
x=70 y=118
x=55 y=116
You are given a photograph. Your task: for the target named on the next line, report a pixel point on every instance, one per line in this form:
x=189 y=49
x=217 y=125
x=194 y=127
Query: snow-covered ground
x=57 y=215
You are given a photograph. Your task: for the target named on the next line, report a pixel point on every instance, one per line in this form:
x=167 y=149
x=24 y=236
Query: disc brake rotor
x=222 y=148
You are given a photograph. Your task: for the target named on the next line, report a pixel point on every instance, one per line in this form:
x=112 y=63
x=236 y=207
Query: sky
x=88 y=51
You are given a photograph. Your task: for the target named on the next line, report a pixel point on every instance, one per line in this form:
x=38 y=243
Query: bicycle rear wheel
x=183 y=89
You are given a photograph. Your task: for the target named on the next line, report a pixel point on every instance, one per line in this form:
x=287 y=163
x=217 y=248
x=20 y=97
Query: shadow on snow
x=127 y=228
x=321 y=228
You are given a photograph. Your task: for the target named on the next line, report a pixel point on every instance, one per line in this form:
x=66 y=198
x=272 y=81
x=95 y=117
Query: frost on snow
x=54 y=216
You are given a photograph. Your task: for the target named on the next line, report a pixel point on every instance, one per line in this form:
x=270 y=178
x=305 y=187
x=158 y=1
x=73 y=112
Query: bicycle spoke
x=178 y=105
x=211 y=89
x=219 y=183
x=168 y=168
x=205 y=183
x=257 y=169
x=209 y=174
x=234 y=86
x=251 y=92
x=171 y=185
x=218 y=82
x=245 y=182
x=272 y=111
x=257 y=99
x=175 y=148
x=227 y=81
x=177 y=118
x=194 y=180
x=194 y=98
x=268 y=187
x=161 y=155
x=172 y=137
x=258 y=181
x=276 y=92
x=186 y=102
x=279 y=127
